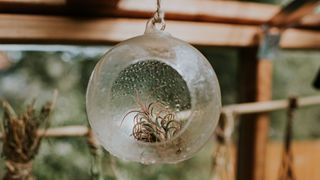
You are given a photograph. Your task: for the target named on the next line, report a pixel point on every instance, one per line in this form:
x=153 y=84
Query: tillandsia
x=153 y=122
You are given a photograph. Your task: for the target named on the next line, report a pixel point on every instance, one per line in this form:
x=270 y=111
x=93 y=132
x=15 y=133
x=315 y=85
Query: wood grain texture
x=311 y=21
x=293 y=12
x=264 y=93
x=63 y=30
x=38 y=29
x=192 y=10
x=232 y=12
x=306 y=159
x=269 y=106
x=300 y=39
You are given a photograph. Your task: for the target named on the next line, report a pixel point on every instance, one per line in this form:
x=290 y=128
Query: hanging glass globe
x=153 y=99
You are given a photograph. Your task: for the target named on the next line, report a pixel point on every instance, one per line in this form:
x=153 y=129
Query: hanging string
x=157 y=19
x=159 y=16
x=286 y=169
x=96 y=156
x=222 y=167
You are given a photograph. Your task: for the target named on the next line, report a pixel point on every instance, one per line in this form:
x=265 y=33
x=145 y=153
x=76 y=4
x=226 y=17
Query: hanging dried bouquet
x=21 y=140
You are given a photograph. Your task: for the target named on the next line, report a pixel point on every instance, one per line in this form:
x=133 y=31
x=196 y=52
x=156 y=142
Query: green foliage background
x=35 y=74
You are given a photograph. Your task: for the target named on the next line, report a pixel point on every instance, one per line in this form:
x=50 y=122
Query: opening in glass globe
x=158 y=100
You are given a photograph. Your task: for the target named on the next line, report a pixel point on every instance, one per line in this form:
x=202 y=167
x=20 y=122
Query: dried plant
x=153 y=122
x=20 y=139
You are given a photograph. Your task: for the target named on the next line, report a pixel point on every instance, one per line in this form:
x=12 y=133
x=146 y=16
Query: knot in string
x=158 y=17
x=225 y=127
x=221 y=163
x=93 y=143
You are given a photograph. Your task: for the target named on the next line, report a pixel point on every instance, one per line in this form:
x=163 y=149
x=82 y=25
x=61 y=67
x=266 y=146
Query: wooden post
x=264 y=93
x=255 y=85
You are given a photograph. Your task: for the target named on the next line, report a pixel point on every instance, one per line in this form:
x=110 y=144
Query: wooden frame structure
x=235 y=110
x=108 y=22
x=204 y=23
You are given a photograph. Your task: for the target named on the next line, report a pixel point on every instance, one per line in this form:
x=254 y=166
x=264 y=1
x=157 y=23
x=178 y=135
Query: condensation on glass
x=153 y=99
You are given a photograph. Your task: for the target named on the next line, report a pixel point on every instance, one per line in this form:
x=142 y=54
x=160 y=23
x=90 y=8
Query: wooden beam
x=204 y=10
x=66 y=131
x=268 y=106
x=62 y=30
x=264 y=93
x=311 y=21
x=255 y=85
x=300 y=39
x=191 y=10
x=59 y=132
x=35 y=29
x=292 y=13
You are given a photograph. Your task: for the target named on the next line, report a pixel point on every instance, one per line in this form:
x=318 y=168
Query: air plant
x=153 y=122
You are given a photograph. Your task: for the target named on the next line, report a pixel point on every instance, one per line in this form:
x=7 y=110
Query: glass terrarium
x=153 y=99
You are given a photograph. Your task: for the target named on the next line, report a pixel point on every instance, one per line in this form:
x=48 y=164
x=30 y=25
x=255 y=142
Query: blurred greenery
x=294 y=73
x=34 y=74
